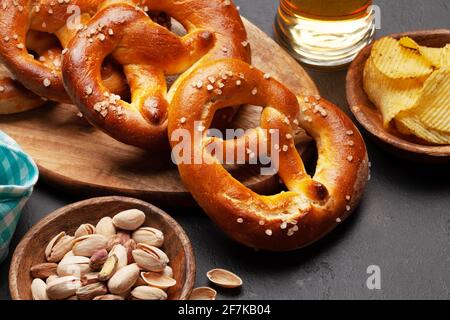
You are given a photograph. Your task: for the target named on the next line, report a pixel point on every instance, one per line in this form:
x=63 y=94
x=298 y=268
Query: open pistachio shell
x=158 y=280
x=203 y=293
x=224 y=278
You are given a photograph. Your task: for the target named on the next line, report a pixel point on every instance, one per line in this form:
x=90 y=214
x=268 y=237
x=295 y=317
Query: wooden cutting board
x=74 y=156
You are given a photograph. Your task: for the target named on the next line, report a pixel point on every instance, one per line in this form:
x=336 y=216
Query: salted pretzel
x=312 y=206
x=14 y=97
x=148 y=52
x=53 y=17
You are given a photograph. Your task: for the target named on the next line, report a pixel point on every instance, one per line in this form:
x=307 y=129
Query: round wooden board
x=79 y=158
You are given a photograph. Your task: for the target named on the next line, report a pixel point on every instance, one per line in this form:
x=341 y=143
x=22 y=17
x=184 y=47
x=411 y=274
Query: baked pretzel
x=148 y=52
x=14 y=98
x=312 y=206
x=53 y=17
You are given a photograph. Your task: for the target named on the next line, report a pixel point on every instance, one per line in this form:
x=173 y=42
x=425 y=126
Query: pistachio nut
x=63 y=287
x=150 y=236
x=130 y=245
x=105 y=227
x=91 y=291
x=139 y=282
x=73 y=266
x=123 y=280
x=84 y=230
x=108 y=297
x=98 y=259
x=87 y=245
x=158 y=280
x=121 y=237
x=43 y=270
x=68 y=254
x=51 y=278
x=58 y=247
x=168 y=271
x=148 y=293
x=121 y=254
x=39 y=289
x=89 y=278
x=109 y=268
x=129 y=219
x=150 y=258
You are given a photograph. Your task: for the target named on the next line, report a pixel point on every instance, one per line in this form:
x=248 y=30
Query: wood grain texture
x=74 y=156
x=370 y=117
x=31 y=249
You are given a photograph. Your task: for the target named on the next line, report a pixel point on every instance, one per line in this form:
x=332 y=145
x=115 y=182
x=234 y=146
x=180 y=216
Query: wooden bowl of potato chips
x=398 y=88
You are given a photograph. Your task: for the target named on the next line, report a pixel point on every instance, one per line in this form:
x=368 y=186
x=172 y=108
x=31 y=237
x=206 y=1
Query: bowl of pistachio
x=109 y=248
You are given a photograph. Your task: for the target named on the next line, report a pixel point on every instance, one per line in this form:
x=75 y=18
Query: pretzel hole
x=44 y=47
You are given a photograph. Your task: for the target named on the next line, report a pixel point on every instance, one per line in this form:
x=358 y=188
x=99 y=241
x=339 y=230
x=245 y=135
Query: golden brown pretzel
x=147 y=53
x=18 y=18
x=313 y=205
x=14 y=98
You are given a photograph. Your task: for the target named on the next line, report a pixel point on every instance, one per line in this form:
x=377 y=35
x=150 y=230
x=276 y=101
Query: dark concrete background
x=402 y=225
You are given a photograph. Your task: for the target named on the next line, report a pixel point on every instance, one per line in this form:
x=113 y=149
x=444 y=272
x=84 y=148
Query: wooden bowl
x=30 y=251
x=370 y=118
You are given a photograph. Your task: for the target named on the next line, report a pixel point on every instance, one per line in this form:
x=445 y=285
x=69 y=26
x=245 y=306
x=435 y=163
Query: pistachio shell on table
x=224 y=278
x=148 y=235
x=150 y=258
x=73 y=266
x=91 y=291
x=203 y=293
x=158 y=280
x=123 y=280
x=58 y=247
x=108 y=297
x=87 y=245
x=39 y=290
x=105 y=227
x=148 y=293
x=63 y=288
x=121 y=254
x=84 y=230
x=98 y=259
x=129 y=220
x=43 y=270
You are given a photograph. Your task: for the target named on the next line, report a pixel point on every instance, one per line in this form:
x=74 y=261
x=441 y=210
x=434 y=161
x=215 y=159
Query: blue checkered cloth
x=18 y=175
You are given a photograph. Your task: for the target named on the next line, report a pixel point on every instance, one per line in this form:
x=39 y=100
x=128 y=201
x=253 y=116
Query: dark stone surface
x=402 y=225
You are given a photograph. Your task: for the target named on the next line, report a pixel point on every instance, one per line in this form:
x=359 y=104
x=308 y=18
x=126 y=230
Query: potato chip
x=410 y=124
x=407 y=42
x=445 y=56
x=397 y=62
x=433 y=106
x=432 y=55
x=389 y=95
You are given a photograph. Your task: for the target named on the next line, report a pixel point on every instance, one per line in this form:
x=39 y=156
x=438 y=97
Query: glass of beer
x=325 y=33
